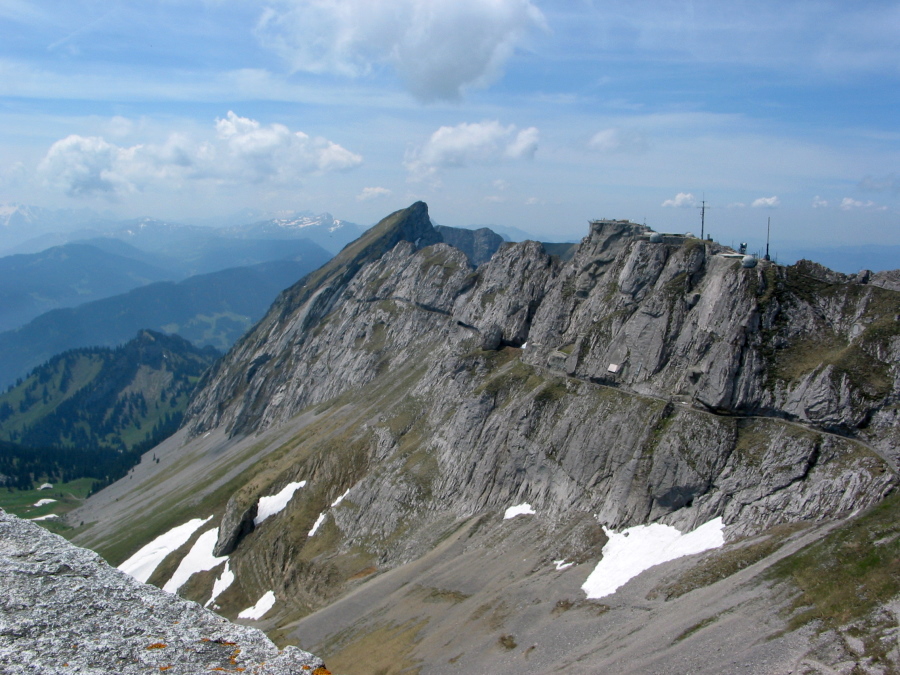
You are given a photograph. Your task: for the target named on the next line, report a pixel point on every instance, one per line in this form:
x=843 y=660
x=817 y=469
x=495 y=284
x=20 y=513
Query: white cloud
x=438 y=47
x=616 y=140
x=533 y=201
x=481 y=143
x=819 y=203
x=737 y=205
x=84 y=166
x=766 y=203
x=495 y=199
x=241 y=151
x=370 y=193
x=682 y=200
x=849 y=204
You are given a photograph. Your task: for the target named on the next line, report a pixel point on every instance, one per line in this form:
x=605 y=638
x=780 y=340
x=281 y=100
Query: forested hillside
x=93 y=411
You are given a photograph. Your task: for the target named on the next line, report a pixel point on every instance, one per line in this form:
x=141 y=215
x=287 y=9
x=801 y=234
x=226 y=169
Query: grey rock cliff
x=64 y=610
x=632 y=382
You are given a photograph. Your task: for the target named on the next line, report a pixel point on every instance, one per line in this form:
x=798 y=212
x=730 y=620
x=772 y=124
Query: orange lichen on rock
x=321 y=670
x=158 y=645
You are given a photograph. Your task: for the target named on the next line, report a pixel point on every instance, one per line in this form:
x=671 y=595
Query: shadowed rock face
x=64 y=610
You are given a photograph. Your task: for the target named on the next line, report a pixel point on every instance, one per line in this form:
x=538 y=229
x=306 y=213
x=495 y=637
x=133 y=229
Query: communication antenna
x=768 y=232
x=703 y=208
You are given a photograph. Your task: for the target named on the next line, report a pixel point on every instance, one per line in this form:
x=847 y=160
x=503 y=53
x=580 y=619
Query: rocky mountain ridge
x=639 y=381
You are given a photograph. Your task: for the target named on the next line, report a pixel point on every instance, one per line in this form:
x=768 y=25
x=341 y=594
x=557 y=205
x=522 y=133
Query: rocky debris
x=64 y=610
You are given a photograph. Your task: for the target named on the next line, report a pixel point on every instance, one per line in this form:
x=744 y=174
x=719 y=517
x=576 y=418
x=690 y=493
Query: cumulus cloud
x=89 y=165
x=819 y=203
x=242 y=150
x=682 y=200
x=849 y=204
x=438 y=47
x=370 y=193
x=766 y=203
x=481 y=143
x=617 y=140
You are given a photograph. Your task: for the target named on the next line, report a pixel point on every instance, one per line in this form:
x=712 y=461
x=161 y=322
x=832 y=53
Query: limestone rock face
x=639 y=381
x=636 y=381
x=64 y=610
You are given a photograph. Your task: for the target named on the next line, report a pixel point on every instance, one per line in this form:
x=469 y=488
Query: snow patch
x=340 y=499
x=321 y=519
x=221 y=584
x=47 y=517
x=44 y=502
x=269 y=506
x=562 y=565
x=523 y=509
x=259 y=610
x=317 y=524
x=630 y=552
x=142 y=563
x=199 y=559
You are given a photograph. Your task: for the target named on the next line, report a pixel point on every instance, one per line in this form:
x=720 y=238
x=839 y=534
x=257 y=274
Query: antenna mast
x=703 y=208
x=768 y=232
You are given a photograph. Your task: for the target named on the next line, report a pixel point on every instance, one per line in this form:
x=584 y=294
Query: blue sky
x=527 y=113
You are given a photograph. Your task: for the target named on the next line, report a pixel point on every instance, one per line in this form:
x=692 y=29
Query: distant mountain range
x=68 y=275
x=28 y=230
x=210 y=309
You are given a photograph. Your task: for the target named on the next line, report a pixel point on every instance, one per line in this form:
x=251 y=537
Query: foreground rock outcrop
x=64 y=610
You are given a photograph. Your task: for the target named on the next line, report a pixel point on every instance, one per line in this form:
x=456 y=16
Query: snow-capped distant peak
x=300 y=222
x=16 y=214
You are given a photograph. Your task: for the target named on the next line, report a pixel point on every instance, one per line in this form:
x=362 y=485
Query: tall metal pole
x=702 y=220
x=768 y=232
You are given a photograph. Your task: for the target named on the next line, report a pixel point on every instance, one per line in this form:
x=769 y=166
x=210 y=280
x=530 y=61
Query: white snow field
x=259 y=610
x=44 y=502
x=562 y=565
x=269 y=506
x=221 y=584
x=630 y=552
x=321 y=518
x=199 y=559
x=518 y=510
x=317 y=524
x=142 y=563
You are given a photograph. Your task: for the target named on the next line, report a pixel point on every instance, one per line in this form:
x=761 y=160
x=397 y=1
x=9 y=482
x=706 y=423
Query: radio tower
x=703 y=208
